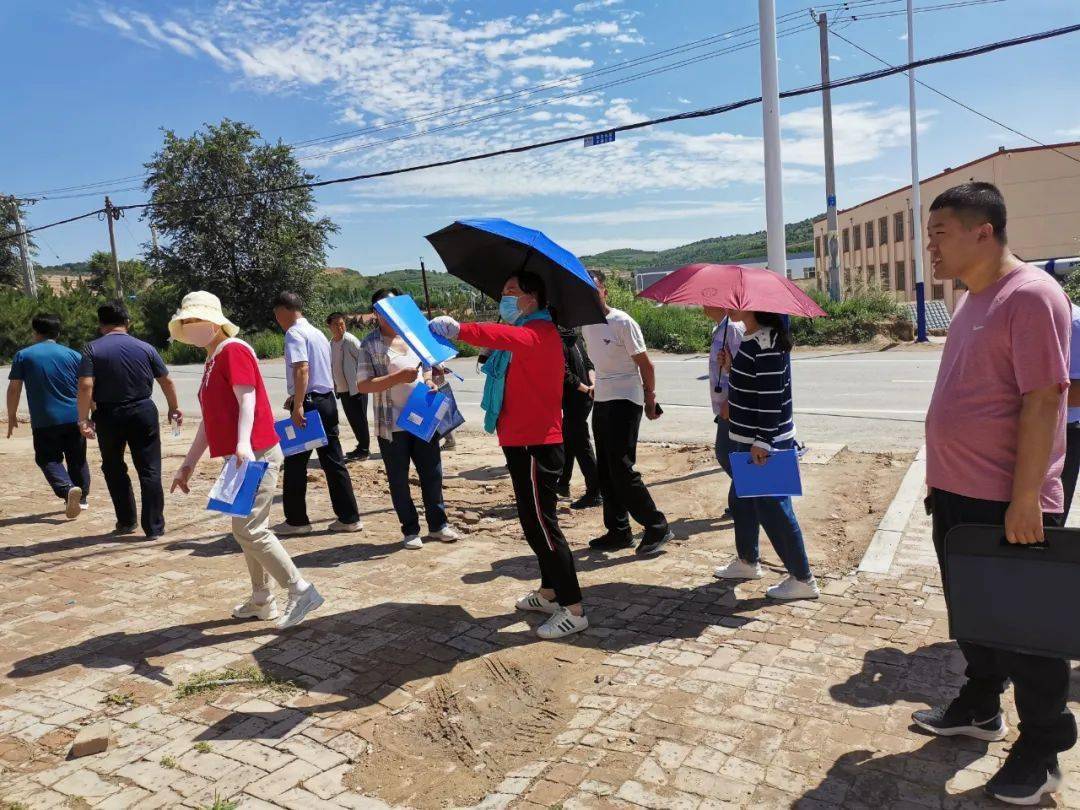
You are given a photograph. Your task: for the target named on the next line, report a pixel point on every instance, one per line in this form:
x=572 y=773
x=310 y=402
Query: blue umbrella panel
x=486 y=252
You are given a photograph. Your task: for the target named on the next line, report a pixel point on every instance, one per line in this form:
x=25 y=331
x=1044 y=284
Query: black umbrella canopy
x=486 y=252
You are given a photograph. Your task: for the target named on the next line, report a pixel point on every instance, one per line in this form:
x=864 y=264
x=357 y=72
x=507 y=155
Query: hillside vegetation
x=717 y=249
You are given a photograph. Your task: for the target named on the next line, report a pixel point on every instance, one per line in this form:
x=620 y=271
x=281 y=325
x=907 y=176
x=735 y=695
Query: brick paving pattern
x=703 y=696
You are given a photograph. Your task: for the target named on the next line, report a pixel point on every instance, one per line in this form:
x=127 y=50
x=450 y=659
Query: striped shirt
x=759 y=392
x=374 y=361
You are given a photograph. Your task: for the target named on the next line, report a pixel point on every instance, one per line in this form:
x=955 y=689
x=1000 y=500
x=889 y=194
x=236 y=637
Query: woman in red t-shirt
x=238 y=421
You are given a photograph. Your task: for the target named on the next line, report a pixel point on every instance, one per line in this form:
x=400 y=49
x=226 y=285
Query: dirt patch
x=471 y=728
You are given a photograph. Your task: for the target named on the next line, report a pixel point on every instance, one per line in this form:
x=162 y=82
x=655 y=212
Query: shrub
x=856 y=319
x=266 y=344
x=669 y=329
x=75 y=304
x=179 y=354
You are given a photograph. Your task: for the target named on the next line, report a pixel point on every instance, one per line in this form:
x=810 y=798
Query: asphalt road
x=869 y=400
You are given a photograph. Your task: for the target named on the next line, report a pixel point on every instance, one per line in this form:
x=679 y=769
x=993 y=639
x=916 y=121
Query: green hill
x=718 y=249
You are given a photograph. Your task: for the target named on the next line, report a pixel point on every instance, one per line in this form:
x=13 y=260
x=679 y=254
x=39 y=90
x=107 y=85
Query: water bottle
x=175 y=427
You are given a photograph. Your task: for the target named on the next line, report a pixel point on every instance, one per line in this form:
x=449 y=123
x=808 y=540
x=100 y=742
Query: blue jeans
x=427 y=457
x=777 y=518
x=722 y=448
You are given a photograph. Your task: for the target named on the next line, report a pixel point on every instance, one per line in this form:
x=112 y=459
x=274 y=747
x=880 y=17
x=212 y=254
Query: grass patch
x=247 y=676
x=122 y=700
x=168 y=762
x=222 y=804
x=203 y=747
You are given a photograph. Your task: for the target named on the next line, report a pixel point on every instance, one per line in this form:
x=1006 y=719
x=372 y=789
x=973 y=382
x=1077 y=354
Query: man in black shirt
x=577 y=404
x=117 y=377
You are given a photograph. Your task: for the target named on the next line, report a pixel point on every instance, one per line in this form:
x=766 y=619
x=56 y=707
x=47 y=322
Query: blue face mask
x=508 y=308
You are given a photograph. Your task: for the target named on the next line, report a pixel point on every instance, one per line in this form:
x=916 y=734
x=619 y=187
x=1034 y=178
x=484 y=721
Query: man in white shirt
x=624 y=390
x=310 y=381
x=345 y=362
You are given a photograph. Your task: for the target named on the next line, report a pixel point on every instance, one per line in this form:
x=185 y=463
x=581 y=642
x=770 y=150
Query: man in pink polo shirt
x=995 y=442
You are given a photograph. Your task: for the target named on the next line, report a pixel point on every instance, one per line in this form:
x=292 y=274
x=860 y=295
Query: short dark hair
x=46 y=324
x=290 y=301
x=384 y=292
x=333 y=316
x=975 y=203
x=532 y=284
x=598 y=276
x=113 y=314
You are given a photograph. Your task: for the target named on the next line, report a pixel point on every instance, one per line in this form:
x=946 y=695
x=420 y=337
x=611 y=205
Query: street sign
x=600 y=138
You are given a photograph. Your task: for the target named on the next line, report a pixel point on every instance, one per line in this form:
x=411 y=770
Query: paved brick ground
x=704 y=695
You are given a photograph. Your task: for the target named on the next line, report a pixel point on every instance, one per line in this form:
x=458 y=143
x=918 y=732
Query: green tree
x=102 y=281
x=10 y=261
x=243 y=248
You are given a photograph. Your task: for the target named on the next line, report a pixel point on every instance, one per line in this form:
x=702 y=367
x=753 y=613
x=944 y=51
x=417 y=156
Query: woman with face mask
x=522 y=402
x=238 y=421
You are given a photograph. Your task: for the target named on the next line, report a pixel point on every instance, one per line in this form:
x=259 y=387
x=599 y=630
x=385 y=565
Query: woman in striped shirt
x=760 y=416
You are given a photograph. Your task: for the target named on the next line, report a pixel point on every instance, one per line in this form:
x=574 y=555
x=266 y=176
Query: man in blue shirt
x=49 y=372
x=117 y=375
x=309 y=379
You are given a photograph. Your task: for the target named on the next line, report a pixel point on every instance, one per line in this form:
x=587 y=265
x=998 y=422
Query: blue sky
x=97 y=81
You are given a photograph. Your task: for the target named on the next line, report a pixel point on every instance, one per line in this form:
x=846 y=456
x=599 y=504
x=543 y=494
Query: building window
x=811 y=272
x=856 y=235
x=901 y=282
x=938 y=292
x=817 y=247
x=847 y=241
x=898 y=226
x=869 y=234
x=883 y=231
x=885 y=280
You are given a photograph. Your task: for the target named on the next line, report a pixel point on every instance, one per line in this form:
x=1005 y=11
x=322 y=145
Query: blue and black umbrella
x=486 y=252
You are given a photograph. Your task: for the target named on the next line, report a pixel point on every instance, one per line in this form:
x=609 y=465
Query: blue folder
x=299 y=440
x=777 y=477
x=409 y=322
x=423 y=412
x=244 y=500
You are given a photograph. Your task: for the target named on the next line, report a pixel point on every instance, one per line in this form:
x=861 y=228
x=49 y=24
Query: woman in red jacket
x=523 y=403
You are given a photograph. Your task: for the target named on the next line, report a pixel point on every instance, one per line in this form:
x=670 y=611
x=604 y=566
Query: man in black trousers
x=577 y=405
x=116 y=376
x=625 y=390
x=995 y=441
x=309 y=379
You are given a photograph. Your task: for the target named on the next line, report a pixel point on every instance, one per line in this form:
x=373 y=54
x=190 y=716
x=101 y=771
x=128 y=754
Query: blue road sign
x=603 y=137
x=831 y=200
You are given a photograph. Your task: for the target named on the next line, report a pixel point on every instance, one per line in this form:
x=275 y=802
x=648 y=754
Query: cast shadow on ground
x=688 y=527
x=523 y=567
x=385 y=647
x=485 y=473
x=690 y=476
x=48 y=518
x=911 y=779
x=73 y=544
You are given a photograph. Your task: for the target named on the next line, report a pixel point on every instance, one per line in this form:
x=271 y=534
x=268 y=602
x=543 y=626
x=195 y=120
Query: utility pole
x=832 y=243
x=916 y=204
x=427 y=297
x=113 y=213
x=770 y=113
x=29 y=279
x=153 y=237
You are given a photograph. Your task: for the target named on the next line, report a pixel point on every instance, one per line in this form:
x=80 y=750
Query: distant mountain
x=718 y=250
x=68 y=269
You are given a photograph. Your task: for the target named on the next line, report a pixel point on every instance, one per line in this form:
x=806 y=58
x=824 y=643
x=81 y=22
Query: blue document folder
x=777 y=477
x=423 y=412
x=298 y=440
x=409 y=322
x=239 y=500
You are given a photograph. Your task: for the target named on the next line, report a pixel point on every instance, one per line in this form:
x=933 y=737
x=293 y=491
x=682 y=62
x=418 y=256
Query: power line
x=566 y=80
x=849 y=81
x=957 y=101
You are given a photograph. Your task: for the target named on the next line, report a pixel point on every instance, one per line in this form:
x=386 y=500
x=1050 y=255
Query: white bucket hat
x=206 y=307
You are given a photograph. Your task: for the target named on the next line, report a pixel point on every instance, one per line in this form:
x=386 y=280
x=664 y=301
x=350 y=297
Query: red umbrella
x=734 y=287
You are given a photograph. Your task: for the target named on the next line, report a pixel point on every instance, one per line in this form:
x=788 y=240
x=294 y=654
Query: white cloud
x=592 y=5
x=1072 y=132
x=834 y=58
x=654 y=213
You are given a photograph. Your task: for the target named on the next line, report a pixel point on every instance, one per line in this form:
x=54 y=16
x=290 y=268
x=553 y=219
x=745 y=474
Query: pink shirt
x=1008 y=340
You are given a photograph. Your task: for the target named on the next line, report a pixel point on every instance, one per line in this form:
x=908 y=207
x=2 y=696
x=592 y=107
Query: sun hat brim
x=203 y=312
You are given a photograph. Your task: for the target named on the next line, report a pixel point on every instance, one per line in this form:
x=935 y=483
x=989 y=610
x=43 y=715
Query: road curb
x=882 y=549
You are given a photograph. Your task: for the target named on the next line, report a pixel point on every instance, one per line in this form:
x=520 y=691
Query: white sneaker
x=288 y=530
x=535 y=603
x=299 y=606
x=251 y=609
x=563 y=623
x=446 y=534
x=792 y=588
x=737 y=569
x=413 y=542
x=339 y=526
x=74 y=508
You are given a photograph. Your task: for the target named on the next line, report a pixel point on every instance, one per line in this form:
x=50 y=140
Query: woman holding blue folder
x=238 y=421
x=760 y=419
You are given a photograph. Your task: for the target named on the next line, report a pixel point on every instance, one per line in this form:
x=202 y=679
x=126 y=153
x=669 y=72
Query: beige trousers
x=263 y=552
